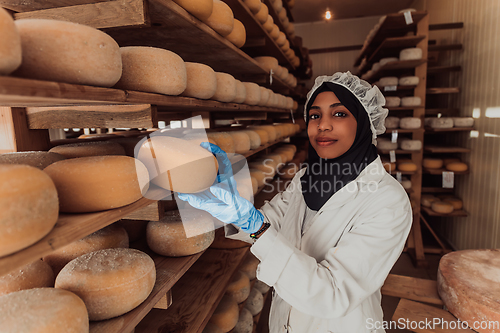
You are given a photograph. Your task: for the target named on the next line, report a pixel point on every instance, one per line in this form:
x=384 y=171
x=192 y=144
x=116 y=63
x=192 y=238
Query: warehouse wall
x=480 y=97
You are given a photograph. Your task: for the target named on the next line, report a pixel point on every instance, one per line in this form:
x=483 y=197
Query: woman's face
x=331 y=128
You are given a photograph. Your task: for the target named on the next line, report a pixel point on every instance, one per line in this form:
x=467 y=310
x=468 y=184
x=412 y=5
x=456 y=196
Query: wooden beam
x=411 y=288
x=336 y=49
x=32 y=5
x=445 y=26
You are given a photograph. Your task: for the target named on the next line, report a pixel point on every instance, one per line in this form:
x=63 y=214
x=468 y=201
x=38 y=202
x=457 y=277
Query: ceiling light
x=328 y=14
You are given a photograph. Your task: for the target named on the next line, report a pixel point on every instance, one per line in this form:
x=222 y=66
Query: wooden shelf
x=449 y=47
x=404 y=108
x=445 y=150
x=443 y=90
x=394 y=172
x=440 y=171
x=443 y=69
x=395 y=66
x=436 y=190
x=453 y=129
x=399 y=151
x=394 y=44
x=442 y=111
x=401 y=130
x=398 y=89
x=455 y=213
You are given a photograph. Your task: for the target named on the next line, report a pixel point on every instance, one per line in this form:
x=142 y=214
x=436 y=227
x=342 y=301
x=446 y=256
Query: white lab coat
x=332 y=272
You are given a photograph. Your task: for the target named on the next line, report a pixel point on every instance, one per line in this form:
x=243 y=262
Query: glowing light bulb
x=328 y=14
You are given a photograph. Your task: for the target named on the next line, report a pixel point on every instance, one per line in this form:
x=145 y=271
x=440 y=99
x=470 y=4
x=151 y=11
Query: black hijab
x=324 y=177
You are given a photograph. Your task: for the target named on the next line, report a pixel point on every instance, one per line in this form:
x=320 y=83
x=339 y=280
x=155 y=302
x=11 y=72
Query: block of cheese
x=201 y=9
x=221 y=19
x=241 y=92
x=259 y=175
x=226 y=87
x=409 y=81
x=413 y=53
x=443 y=122
x=86 y=149
x=249 y=266
x=201 y=81
x=241 y=141
x=111 y=236
x=10 y=44
x=268 y=63
x=410 y=123
x=110 y=282
x=254 y=139
x=385 y=61
x=152 y=69
x=226 y=314
x=239 y=34
x=388 y=81
x=392 y=122
x=29 y=206
x=392 y=101
x=456 y=166
x=411 y=101
x=385 y=144
x=181 y=233
x=463 y=121
x=253 y=93
x=37 y=274
x=428 y=199
x=91 y=184
x=432 y=163
x=455 y=202
x=407 y=166
x=68 y=52
x=245 y=322
x=212 y=328
x=223 y=140
x=37 y=159
x=262 y=14
x=264 y=96
x=407 y=144
x=43 y=310
x=255 y=302
x=253 y=5
x=268 y=25
x=178 y=165
x=239 y=287
x=261 y=286
x=442 y=207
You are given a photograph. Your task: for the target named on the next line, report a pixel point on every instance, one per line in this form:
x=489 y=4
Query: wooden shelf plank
x=404 y=108
x=394 y=66
x=393 y=44
x=411 y=288
x=443 y=90
x=442 y=111
x=453 y=129
x=455 y=213
x=27 y=6
x=445 y=26
x=401 y=130
x=443 y=69
x=449 y=47
x=445 y=150
x=440 y=171
x=436 y=190
x=394 y=172
x=399 y=151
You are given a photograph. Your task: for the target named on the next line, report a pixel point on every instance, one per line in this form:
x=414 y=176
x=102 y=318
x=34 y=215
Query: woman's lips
x=325 y=141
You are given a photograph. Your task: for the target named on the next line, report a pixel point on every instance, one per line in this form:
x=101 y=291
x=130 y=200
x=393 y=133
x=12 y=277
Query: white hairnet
x=370 y=97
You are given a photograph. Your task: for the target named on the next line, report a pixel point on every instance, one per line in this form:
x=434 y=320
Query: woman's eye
x=313 y=116
x=340 y=114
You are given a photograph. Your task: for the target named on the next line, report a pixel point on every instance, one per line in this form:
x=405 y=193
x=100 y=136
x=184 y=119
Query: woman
x=327 y=243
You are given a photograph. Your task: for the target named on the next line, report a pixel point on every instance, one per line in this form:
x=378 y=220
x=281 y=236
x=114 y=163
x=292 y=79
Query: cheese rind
x=392 y=122
x=409 y=81
x=201 y=9
x=223 y=140
x=410 y=123
x=463 y=121
x=413 y=53
x=239 y=287
x=249 y=266
x=407 y=166
x=221 y=19
x=201 y=81
x=37 y=274
x=442 y=207
x=87 y=149
x=411 y=101
x=241 y=141
x=226 y=314
x=457 y=167
x=392 y=101
x=443 y=122
x=414 y=145
x=10 y=44
x=388 y=81
x=255 y=302
x=241 y=92
x=432 y=163
x=254 y=139
x=253 y=5
x=239 y=35
x=245 y=322
x=37 y=159
x=253 y=93
x=226 y=87
x=262 y=14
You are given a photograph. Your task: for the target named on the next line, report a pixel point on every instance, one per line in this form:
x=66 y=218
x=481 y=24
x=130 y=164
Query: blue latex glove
x=222 y=199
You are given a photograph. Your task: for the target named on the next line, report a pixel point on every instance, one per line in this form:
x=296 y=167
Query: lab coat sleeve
x=352 y=270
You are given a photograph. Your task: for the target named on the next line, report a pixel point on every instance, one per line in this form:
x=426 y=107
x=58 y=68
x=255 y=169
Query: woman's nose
x=325 y=125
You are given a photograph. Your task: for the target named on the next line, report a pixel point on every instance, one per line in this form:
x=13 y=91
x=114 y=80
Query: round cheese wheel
x=456 y=167
x=268 y=25
x=112 y=236
x=239 y=287
x=443 y=122
x=432 y=163
x=268 y=63
x=253 y=5
x=410 y=123
x=37 y=159
x=249 y=266
x=226 y=87
x=271 y=132
x=129 y=144
x=110 y=282
x=181 y=234
x=152 y=69
x=392 y=101
x=86 y=149
x=388 y=166
x=413 y=53
x=212 y=328
x=386 y=144
x=29 y=206
x=68 y=52
x=409 y=81
x=253 y=93
x=259 y=176
x=226 y=314
x=178 y=165
x=385 y=61
x=255 y=185
x=221 y=19
x=254 y=139
x=241 y=141
x=407 y=166
x=201 y=9
x=406 y=183
x=428 y=199
x=10 y=44
x=261 y=286
x=136 y=229
x=223 y=140
x=262 y=14
x=201 y=81
x=447 y=161
x=264 y=96
x=289 y=171
x=43 y=310
x=287 y=151
x=392 y=122
x=442 y=207
x=411 y=101
x=277 y=5
x=245 y=322
x=463 y=121
x=255 y=302
x=37 y=274
x=91 y=184
x=239 y=34
x=267 y=166
x=281 y=40
x=455 y=202
x=411 y=144
x=388 y=81
x=241 y=92
x=275 y=32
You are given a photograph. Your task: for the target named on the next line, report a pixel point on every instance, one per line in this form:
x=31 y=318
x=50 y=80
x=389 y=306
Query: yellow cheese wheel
x=181 y=233
x=221 y=19
x=275 y=32
x=407 y=166
x=442 y=207
x=432 y=163
x=178 y=165
x=428 y=199
x=447 y=161
x=110 y=282
x=37 y=274
x=277 y=5
x=86 y=149
x=264 y=136
x=244 y=184
x=10 y=44
x=271 y=132
x=201 y=9
x=29 y=206
x=456 y=166
x=129 y=144
x=289 y=171
x=239 y=34
x=255 y=185
x=241 y=141
x=253 y=5
x=109 y=237
x=262 y=14
x=249 y=266
x=267 y=166
x=136 y=229
x=68 y=52
x=226 y=88
x=254 y=139
x=152 y=69
x=37 y=159
x=91 y=184
x=259 y=176
x=268 y=25
x=253 y=93
x=239 y=287
x=268 y=63
x=201 y=81
x=455 y=202
x=226 y=314
x=281 y=40
x=223 y=140
x=388 y=166
x=255 y=302
x=241 y=92
x=43 y=310
x=245 y=322
x=212 y=328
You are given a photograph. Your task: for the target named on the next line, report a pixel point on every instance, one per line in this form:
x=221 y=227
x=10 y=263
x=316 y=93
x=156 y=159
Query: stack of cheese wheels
x=408 y=166
x=253 y=93
x=152 y=69
x=37 y=159
x=201 y=80
x=241 y=92
x=392 y=122
x=221 y=242
x=467 y=282
x=92 y=148
x=135 y=229
x=456 y=167
x=201 y=9
x=239 y=287
x=29 y=206
x=249 y=266
x=43 y=310
x=239 y=35
x=112 y=236
x=178 y=165
x=91 y=184
x=241 y=141
x=442 y=207
x=223 y=140
x=221 y=19
x=111 y=282
x=181 y=233
x=432 y=163
x=455 y=202
x=226 y=87
x=68 y=52
x=255 y=302
x=428 y=199
x=10 y=44
x=253 y=5
x=37 y=274
x=226 y=314
x=245 y=322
